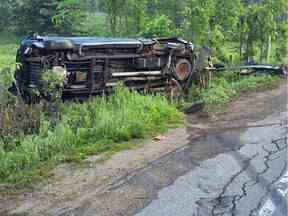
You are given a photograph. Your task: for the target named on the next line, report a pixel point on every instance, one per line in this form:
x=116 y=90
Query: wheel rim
x=183 y=69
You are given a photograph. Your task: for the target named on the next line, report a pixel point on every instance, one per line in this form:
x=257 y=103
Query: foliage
x=8 y=47
x=116 y=14
x=237 y=30
x=17 y=120
x=53 y=82
x=160 y=26
x=94 y=24
x=93 y=127
x=69 y=16
x=6 y=79
x=255 y=82
x=6 y=14
x=219 y=93
x=34 y=16
x=197 y=20
x=226 y=87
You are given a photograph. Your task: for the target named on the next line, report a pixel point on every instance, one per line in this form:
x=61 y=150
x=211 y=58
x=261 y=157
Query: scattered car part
x=256 y=68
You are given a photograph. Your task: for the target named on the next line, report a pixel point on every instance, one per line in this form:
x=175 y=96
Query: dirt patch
x=247 y=108
x=100 y=185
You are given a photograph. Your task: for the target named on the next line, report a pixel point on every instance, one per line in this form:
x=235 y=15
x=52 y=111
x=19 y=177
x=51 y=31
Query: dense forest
x=238 y=30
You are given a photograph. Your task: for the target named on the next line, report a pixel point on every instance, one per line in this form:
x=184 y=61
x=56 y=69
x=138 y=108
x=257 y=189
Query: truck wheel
x=183 y=69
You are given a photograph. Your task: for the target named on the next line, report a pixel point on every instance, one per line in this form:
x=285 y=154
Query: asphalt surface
x=249 y=180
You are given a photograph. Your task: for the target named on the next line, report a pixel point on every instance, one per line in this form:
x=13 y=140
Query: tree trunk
x=269 y=48
x=262 y=51
x=240 y=43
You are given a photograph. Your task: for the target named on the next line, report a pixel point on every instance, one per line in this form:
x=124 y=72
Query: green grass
x=96 y=126
x=227 y=87
x=8 y=47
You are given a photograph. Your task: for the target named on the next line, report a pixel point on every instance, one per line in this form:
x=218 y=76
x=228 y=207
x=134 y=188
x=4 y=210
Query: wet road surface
x=250 y=179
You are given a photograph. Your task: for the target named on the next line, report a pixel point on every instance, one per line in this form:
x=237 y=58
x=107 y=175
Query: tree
x=197 y=19
x=224 y=29
x=34 y=15
x=242 y=28
x=6 y=11
x=115 y=10
x=160 y=26
x=263 y=23
x=136 y=13
x=69 y=17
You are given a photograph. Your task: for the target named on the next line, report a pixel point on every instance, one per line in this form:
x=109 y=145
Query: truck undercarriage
x=92 y=66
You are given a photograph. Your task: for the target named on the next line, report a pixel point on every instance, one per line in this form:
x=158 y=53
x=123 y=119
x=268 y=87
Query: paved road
x=251 y=180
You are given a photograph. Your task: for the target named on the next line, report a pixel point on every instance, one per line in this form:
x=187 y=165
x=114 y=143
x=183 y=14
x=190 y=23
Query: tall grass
x=226 y=87
x=93 y=127
x=8 y=47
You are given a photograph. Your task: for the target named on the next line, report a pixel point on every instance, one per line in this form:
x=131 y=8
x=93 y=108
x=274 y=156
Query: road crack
x=270 y=190
x=221 y=196
x=257 y=179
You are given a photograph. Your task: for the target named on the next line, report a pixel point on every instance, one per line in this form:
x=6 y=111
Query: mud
x=132 y=180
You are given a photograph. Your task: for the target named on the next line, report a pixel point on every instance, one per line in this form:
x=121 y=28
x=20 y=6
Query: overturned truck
x=93 y=65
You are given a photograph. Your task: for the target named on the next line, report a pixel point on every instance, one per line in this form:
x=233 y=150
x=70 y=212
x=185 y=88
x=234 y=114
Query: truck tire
x=183 y=69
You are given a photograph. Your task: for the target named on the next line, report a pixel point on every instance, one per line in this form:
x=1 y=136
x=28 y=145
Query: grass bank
x=96 y=126
x=227 y=86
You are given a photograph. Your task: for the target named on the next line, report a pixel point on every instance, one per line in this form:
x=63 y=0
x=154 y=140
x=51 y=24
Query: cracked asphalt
x=250 y=180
